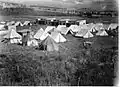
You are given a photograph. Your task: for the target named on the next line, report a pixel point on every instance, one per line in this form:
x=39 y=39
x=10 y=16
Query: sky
x=94 y=4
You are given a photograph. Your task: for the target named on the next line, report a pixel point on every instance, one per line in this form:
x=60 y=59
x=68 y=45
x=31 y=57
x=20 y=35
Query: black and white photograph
x=59 y=42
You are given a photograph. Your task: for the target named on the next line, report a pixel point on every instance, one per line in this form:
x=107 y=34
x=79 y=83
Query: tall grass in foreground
x=93 y=67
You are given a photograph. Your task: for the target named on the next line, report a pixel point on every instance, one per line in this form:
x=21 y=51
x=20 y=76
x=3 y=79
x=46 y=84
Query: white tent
x=3 y=32
x=98 y=26
x=10 y=23
x=88 y=35
x=2 y=26
x=74 y=28
x=10 y=27
x=64 y=30
x=102 y=33
x=18 y=23
x=91 y=27
x=112 y=26
x=44 y=36
x=105 y=27
x=27 y=23
x=3 y=22
x=57 y=37
x=39 y=34
x=81 y=33
x=32 y=42
x=85 y=26
x=51 y=44
x=13 y=36
x=59 y=27
x=82 y=22
x=50 y=28
x=84 y=33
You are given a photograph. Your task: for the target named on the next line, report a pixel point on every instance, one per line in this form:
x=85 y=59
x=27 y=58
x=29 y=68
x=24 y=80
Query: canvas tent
x=29 y=39
x=13 y=36
x=57 y=37
x=23 y=32
x=39 y=34
x=112 y=26
x=82 y=22
x=98 y=26
x=27 y=23
x=50 y=28
x=59 y=27
x=18 y=23
x=64 y=30
x=3 y=22
x=85 y=26
x=51 y=44
x=44 y=36
x=12 y=27
x=91 y=27
x=74 y=28
x=2 y=26
x=3 y=32
x=32 y=42
x=102 y=33
x=10 y=23
x=84 y=33
x=88 y=35
x=105 y=27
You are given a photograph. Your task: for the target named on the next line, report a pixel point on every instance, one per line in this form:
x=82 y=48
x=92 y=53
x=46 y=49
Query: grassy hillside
x=73 y=66
x=28 y=11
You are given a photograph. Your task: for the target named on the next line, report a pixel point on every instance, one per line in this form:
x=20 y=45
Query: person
x=25 y=39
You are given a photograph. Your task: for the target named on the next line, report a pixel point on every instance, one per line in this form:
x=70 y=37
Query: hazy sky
x=98 y=4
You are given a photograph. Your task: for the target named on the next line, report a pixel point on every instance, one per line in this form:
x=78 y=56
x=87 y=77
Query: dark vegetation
x=20 y=67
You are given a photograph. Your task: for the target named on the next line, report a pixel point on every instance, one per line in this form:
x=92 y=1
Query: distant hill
x=28 y=11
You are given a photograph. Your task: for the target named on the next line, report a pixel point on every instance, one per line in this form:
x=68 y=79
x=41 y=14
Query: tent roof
x=81 y=20
x=12 y=34
x=59 y=27
x=64 y=30
x=26 y=22
x=113 y=26
x=88 y=35
x=101 y=32
x=105 y=26
x=58 y=37
x=2 y=26
x=11 y=27
x=49 y=28
x=39 y=33
x=10 y=23
x=82 y=32
x=17 y=23
x=44 y=36
x=85 y=26
x=51 y=44
x=98 y=26
x=91 y=27
x=74 y=28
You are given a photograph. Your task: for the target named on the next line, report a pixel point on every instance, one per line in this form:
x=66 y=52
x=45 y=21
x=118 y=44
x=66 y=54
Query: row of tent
x=84 y=31
x=13 y=24
x=49 y=40
x=52 y=35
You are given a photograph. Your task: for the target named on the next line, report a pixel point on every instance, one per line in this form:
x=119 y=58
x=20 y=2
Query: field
x=71 y=65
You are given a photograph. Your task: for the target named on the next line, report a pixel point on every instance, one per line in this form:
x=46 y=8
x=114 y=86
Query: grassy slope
x=50 y=69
